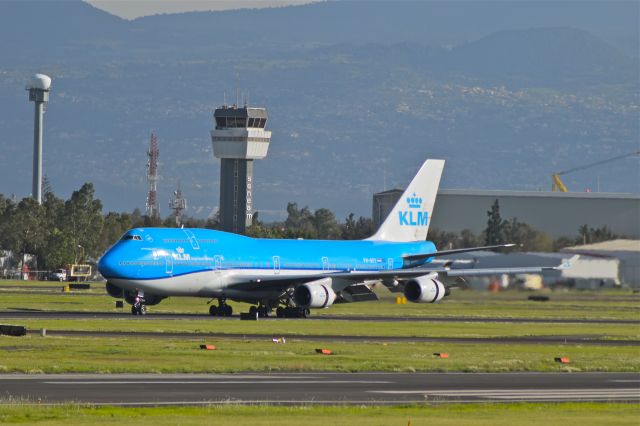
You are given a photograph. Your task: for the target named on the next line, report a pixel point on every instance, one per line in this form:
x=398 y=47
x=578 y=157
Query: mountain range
x=358 y=94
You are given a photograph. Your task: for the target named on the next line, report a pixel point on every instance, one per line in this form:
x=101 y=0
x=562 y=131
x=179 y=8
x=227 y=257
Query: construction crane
x=558 y=185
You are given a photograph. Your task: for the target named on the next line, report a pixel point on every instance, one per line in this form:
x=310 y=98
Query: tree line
x=61 y=232
x=526 y=237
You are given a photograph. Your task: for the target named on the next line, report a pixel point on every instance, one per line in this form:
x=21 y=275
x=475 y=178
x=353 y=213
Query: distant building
x=586 y=272
x=625 y=252
x=554 y=213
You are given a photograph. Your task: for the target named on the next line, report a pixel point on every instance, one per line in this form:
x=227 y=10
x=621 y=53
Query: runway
x=319 y=388
x=35 y=313
x=534 y=340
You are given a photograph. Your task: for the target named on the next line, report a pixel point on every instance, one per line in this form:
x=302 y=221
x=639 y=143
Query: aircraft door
x=325 y=263
x=390 y=263
x=168 y=264
x=217 y=262
x=276 y=265
x=192 y=239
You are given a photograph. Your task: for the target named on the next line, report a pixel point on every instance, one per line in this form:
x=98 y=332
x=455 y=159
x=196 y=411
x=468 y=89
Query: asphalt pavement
x=318 y=388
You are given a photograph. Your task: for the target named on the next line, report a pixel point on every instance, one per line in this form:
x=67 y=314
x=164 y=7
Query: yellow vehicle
x=79 y=272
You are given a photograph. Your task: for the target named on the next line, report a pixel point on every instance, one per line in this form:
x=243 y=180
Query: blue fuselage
x=152 y=254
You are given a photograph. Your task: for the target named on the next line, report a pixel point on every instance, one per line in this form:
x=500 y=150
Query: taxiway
x=319 y=388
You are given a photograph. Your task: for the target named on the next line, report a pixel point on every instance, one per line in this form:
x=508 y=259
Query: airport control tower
x=238 y=139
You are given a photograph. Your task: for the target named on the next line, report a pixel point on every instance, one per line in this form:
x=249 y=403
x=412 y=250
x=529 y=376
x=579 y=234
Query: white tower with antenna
x=238 y=138
x=38 y=88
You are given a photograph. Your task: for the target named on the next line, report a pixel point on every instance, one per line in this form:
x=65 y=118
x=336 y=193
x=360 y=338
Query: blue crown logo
x=414 y=202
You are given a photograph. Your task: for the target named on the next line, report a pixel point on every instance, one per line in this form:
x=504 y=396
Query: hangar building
x=626 y=252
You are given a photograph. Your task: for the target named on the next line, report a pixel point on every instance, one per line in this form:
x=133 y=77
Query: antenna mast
x=178 y=204
x=153 y=211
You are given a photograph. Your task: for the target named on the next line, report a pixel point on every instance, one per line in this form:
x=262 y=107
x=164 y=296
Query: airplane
x=148 y=265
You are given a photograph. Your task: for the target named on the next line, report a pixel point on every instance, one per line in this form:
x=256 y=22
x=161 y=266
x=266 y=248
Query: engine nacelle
x=114 y=290
x=315 y=294
x=149 y=299
x=424 y=289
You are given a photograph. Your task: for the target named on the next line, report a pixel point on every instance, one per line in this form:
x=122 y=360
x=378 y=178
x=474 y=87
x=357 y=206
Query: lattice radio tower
x=153 y=211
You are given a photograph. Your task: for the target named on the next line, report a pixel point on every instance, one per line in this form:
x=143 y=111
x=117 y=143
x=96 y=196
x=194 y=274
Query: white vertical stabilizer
x=410 y=218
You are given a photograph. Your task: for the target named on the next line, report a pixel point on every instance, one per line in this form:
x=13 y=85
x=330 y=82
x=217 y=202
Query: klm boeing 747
x=148 y=265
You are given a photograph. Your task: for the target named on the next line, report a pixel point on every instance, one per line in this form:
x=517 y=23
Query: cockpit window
x=131 y=237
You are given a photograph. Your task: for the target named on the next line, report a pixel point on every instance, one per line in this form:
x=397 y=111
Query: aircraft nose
x=109 y=262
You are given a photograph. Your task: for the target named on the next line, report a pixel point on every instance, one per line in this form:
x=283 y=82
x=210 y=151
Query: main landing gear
x=222 y=310
x=288 y=308
x=261 y=311
x=292 y=312
x=264 y=309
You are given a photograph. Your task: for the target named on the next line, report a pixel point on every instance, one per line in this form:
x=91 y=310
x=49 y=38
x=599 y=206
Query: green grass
x=139 y=354
x=34 y=355
x=618 y=304
x=561 y=414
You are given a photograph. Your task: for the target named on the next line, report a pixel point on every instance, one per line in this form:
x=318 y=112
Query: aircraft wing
x=282 y=282
x=353 y=277
x=465 y=272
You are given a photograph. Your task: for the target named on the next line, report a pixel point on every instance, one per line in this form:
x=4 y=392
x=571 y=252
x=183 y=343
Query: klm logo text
x=413 y=218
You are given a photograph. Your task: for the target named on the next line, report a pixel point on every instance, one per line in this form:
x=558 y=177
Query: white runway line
x=213 y=382
x=529 y=394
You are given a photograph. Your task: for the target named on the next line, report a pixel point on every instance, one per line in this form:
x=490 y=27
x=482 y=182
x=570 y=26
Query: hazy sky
x=131 y=9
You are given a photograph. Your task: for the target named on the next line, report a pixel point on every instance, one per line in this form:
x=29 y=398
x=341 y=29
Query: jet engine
x=424 y=289
x=149 y=299
x=315 y=294
x=114 y=290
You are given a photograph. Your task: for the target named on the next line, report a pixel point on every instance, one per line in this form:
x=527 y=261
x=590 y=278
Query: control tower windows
x=236 y=122
x=257 y=122
x=231 y=122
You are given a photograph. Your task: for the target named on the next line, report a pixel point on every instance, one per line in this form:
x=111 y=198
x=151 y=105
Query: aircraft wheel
x=305 y=313
x=280 y=312
x=143 y=310
x=134 y=311
x=253 y=310
x=213 y=310
x=228 y=311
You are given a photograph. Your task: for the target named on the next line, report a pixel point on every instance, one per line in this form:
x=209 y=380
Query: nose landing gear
x=139 y=307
